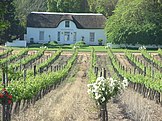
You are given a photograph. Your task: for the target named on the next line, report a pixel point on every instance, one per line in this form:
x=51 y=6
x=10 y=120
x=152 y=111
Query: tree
x=52 y=5
x=24 y=7
x=8 y=21
x=105 y=7
x=3 y=23
x=68 y=6
x=135 y=21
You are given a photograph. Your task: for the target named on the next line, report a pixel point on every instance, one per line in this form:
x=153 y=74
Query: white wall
x=16 y=43
x=34 y=33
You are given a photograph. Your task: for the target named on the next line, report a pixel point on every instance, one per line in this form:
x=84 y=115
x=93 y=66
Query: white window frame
x=41 y=35
x=92 y=36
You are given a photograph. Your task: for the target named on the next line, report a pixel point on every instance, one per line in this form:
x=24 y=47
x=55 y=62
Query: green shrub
x=53 y=42
x=80 y=44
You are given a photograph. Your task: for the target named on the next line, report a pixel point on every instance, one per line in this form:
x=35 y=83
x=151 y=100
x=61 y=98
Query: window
x=41 y=35
x=74 y=36
x=92 y=36
x=67 y=24
x=58 y=36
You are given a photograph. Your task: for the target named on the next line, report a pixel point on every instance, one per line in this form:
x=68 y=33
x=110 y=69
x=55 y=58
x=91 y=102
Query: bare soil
x=122 y=59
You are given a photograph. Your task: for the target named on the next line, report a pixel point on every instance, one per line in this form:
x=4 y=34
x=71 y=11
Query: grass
x=82 y=49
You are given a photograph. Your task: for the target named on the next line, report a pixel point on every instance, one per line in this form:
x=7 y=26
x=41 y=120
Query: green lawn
x=70 y=48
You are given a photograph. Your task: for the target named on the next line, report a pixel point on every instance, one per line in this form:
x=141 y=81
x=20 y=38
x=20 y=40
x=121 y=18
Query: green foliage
x=13 y=57
x=6 y=52
x=28 y=89
x=91 y=74
x=135 y=21
x=24 y=7
x=50 y=60
x=100 y=40
x=136 y=78
x=160 y=52
x=67 y=6
x=145 y=54
x=105 y=7
x=80 y=44
x=25 y=61
x=53 y=43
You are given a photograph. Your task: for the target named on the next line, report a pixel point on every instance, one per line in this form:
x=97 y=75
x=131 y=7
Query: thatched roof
x=52 y=20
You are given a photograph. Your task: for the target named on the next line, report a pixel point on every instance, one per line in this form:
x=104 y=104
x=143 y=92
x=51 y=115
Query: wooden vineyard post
x=152 y=73
x=54 y=68
x=134 y=70
x=3 y=76
x=24 y=75
x=130 y=71
x=57 y=67
x=101 y=73
x=47 y=69
x=31 y=65
x=126 y=70
x=35 y=71
x=161 y=98
x=6 y=75
x=144 y=71
x=96 y=70
x=20 y=64
x=51 y=68
x=40 y=70
x=6 y=115
x=104 y=73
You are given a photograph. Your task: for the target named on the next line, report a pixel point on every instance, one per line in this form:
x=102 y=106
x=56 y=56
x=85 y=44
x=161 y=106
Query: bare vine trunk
x=104 y=113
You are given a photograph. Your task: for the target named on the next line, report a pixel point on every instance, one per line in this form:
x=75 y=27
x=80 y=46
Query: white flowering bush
x=76 y=47
x=104 y=89
x=142 y=48
x=45 y=47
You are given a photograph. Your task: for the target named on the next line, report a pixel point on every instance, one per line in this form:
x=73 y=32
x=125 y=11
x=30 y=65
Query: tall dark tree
x=3 y=23
x=24 y=7
x=9 y=17
x=68 y=6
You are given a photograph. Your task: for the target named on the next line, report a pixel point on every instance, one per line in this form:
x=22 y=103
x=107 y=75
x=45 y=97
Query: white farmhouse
x=65 y=28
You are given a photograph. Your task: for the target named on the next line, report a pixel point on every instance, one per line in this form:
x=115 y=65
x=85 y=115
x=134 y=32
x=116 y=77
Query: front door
x=67 y=37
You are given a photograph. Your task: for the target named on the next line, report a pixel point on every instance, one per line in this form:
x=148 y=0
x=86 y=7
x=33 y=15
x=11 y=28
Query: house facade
x=65 y=28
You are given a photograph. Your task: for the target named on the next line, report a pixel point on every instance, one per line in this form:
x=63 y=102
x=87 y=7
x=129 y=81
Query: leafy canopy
x=136 y=21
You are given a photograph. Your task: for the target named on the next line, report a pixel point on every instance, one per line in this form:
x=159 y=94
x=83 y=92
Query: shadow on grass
x=50 y=46
x=67 y=47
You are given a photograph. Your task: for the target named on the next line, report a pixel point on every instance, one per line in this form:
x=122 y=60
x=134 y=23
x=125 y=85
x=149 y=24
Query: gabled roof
x=52 y=20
